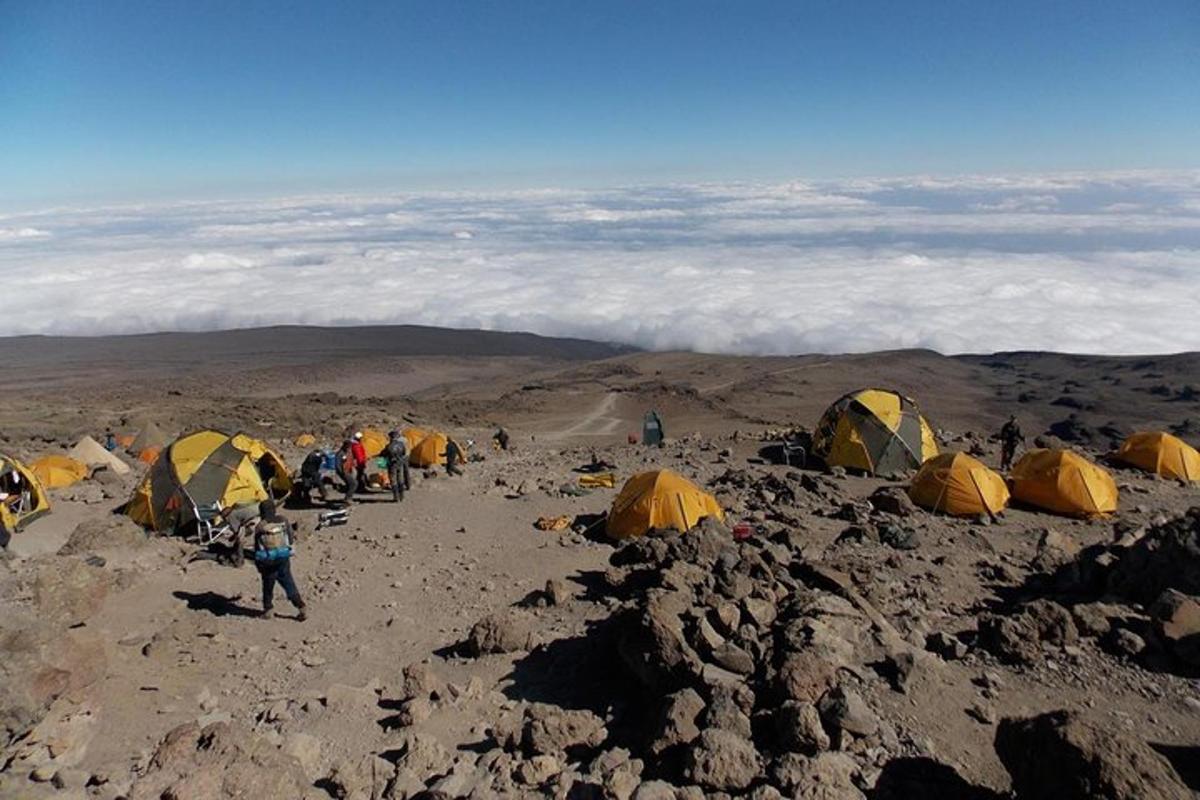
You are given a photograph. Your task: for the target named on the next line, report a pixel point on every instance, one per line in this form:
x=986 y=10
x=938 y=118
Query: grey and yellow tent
x=206 y=468
x=22 y=496
x=878 y=431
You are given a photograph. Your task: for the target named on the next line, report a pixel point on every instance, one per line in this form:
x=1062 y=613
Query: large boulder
x=220 y=761
x=1062 y=756
x=103 y=532
x=723 y=761
x=506 y=632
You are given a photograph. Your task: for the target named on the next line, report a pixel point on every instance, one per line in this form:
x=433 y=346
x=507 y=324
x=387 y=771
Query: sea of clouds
x=1097 y=263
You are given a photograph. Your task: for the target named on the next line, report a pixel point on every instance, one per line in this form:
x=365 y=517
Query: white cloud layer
x=1074 y=262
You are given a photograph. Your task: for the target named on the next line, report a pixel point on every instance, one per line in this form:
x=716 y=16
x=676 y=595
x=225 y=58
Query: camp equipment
x=90 y=452
x=659 y=499
x=207 y=469
x=956 y=483
x=878 y=431
x=22 y=497
x=1064 y=482
x=599 y=480
x=330 y=519
x=1162 y=454
x=57 y=472
x=305 y=440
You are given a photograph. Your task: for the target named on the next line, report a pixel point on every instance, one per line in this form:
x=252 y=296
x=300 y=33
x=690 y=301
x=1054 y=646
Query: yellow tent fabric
x=1161 y=453
x=659 y=499
x=599 y=480
x=413 y=436
x=430 y=451
x=204 y=468
x=374 y=441
x=956 y=483
x=1063 y=482
x=874 y=430
x=23 y=496
x=305 y=440
x=57 y=472
x=88 y=451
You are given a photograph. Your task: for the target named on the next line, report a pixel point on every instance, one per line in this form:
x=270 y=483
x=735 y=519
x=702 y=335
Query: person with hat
x=360 y=460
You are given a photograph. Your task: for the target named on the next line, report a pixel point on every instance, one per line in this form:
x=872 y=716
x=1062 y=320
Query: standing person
x=1010 y=437
x=310 y=477
x=110 y=440
x=396 y=453
x=454 y=454
x=273 y=557
x=346 y=470
x=360 y=461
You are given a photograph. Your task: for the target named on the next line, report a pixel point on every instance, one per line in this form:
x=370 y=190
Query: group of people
x=350 y=465
x=274 y=535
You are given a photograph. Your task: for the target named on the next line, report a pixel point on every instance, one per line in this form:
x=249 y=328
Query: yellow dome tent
x=205 y=468
x=1162 y=454
x=413 y=436
x=305 y=440
x=956 y=483
x=876 y=431
x=57 y=472
x=22 y=496
x=1063 y=482
x=659 y=499
x=374 y=441
x=430 y=451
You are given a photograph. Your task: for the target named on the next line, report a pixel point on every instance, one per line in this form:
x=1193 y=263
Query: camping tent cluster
x=206 y=468
x=882 y=432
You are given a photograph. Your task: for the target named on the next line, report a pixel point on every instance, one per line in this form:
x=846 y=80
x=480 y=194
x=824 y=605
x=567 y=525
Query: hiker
x=110 y=440
x=310 y=478
x=346 y=470
x=1010 y=437
x=397 y=462
x=500 y=437
x=360 y=461
x=454 y=454
x=273 y=557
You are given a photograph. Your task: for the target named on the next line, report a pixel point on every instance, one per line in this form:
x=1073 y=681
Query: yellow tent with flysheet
x=207 y=468
x=22 y=496
x=58 y=472
x=877 y=431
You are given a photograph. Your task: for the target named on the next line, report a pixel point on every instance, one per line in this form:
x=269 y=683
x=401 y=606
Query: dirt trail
x=602 y=420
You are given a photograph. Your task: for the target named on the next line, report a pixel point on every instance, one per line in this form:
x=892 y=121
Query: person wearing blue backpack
x=273 y=558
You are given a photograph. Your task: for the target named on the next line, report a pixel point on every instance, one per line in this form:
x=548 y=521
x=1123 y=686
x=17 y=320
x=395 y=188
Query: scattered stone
x=798 y=726
x=505 y=632
x=844 y=710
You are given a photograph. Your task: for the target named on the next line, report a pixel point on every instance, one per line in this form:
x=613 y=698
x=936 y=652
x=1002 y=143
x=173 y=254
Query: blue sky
x=132 y=100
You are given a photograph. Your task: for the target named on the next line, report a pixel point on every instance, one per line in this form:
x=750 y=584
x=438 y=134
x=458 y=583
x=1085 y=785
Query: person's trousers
x=351 y=486
x=280 y=572
x=452 y=468
x=398 y=478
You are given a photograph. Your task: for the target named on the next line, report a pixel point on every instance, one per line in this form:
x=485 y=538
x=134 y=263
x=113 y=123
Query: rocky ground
x=853 y=646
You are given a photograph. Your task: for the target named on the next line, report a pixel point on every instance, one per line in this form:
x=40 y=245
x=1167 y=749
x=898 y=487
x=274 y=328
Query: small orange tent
x=956 y=483
x=56 y=472
x=430 y=451
x=374 y=441
x=1162 y=454
x=149 y=455
x=1064 y=482
x=659 y=499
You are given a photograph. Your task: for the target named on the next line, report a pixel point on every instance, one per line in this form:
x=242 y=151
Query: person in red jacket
x=360 y=460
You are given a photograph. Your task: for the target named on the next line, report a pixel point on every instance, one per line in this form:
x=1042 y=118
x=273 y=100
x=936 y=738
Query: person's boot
x=303 y=615
x=265 y=613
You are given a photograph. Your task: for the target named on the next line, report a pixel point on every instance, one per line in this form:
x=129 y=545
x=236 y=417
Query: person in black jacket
x=396 y=453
